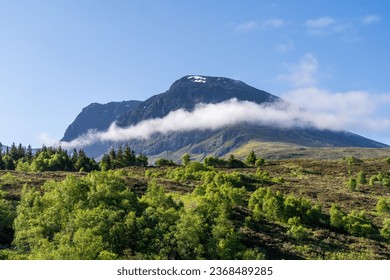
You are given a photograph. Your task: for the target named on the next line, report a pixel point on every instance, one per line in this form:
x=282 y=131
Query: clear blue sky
x=56 y=57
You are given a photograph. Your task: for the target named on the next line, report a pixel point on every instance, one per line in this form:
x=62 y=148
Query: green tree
x=164 y=162
x=259 y=162
x=129 y=157
x=105 y=163
x=119 y=158
x=9 y=163
x=190 y=236
x=186 y=159
x=336 y=217
x=142 y=160
x=7 y=216
x=234 y=163
x=251 y=159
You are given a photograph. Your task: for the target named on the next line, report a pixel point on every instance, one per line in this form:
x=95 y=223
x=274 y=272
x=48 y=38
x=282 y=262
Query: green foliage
x=45 y=159
x=351 y=161
x=164 y=162
x=296 y=229
x=9 y=179
x=260 y=162
x=380 y=178
x=98 y=217
x=23 y=166
x=351 y=184
x=388 y=160
x=119 y=158
x=361 y=177
x=275 y=206
x=336 y=217
x=357 y=224
x=383 y=206
x=215 y=162
x=354 y=223
x=234 y=163
x=251 y=159
x=385 y=231
x=7 y=216
x=192 y=171
x=186 y=159
x=75 y=218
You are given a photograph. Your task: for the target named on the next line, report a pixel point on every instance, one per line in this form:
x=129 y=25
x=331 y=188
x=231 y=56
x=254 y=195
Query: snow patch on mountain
x=197 y=79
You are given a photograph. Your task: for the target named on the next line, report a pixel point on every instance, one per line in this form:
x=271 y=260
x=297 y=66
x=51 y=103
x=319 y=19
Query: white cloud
x=358 y=111
x=212 y=117
x=352 y=110
x=247 y=26
x=45 y=138
x=271 y=23
x=369 y=19
x=346 y=28
x=304 y=73
x=320 y=23
x=285 y=46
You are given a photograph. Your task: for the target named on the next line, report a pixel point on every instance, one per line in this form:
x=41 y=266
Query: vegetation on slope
x=287 y=209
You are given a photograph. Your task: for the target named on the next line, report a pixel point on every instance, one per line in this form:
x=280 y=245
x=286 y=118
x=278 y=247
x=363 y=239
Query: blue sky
x=56 y=57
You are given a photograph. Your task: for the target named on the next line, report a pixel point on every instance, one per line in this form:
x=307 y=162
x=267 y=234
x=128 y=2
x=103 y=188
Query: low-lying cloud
x=360 y=111
x=211 y=117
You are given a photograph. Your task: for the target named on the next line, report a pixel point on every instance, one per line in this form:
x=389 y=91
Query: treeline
x=45 y=159
x=20 y=158
x=119 y=158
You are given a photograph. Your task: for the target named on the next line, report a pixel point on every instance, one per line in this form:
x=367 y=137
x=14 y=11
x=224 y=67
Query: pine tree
x=128 y=157
x=14 y=152
x=29 y=154
x=119 y=157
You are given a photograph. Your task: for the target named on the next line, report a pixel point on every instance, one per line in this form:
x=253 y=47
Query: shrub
x=336 y=216
x=296 y=229
x=385 y=231
x=259 y=162
x=351 y=184
x=357 y=224
x=361 y=178
x=164 y=162
x=383 y=206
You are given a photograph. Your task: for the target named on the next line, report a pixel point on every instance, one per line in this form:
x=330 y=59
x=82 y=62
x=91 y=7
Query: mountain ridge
x=97 y=116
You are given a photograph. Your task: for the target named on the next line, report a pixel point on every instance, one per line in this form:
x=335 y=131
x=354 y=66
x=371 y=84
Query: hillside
x=193 y=208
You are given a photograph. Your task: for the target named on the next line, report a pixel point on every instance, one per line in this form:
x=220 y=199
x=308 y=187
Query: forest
x=60 y=205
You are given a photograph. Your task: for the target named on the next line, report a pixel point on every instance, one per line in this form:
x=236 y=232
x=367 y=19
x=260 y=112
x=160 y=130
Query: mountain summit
x=189 y=91
x=186 y=93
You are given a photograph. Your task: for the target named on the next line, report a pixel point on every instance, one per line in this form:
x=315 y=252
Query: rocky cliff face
x=97 y=116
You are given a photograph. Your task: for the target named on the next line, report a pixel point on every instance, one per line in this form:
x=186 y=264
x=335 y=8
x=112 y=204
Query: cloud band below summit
x=211 y=117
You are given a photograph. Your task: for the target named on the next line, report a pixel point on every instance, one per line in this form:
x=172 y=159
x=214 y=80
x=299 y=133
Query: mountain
x=97 y=116
x=186 y=93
